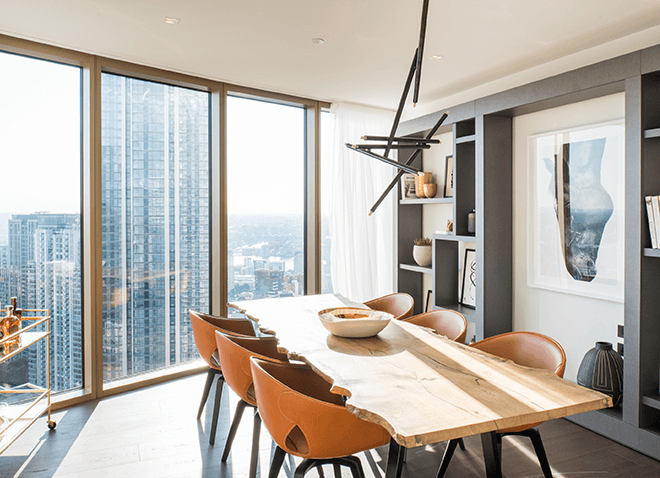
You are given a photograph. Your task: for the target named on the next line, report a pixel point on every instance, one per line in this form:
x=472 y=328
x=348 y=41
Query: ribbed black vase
x=601 y=369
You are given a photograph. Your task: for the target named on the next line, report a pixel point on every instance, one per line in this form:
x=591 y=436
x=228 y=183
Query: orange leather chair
x=204 y=327
x=400 y=305
x=449 y=323
x=235 y=353
x=529 y=349
x=305 y=419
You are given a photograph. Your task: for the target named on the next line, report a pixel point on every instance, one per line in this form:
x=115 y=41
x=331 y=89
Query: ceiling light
x=317 y=41
x=435 y=57
x=171 y=20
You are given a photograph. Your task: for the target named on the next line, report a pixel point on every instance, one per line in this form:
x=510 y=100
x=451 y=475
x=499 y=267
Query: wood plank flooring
x=153 y=433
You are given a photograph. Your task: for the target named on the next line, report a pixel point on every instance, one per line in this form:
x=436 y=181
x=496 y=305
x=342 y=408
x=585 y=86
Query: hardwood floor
x=153 y=433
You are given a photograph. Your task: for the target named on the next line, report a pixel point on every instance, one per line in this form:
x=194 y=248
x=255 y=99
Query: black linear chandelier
x=391 y=142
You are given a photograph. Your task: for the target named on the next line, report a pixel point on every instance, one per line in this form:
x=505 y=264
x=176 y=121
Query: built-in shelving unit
x=482 y=142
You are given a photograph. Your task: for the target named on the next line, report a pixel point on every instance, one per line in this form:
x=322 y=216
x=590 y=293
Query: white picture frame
x=408 y=186
x=572 y=245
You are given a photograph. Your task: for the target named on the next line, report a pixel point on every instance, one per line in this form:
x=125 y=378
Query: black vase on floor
x=601 y=369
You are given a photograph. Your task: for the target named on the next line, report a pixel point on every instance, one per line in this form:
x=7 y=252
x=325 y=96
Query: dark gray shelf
x=414 y=268
x=427 y=201
x=652 y=133
x=648 y=252
x=468 y=312
x=454 y=237
x=466 y=139
x=652 y=400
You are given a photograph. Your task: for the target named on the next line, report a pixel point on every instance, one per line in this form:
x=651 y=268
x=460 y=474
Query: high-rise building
x=44 y=273
x=155 y=222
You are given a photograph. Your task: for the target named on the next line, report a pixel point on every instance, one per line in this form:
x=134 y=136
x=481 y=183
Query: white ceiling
x=368 y=44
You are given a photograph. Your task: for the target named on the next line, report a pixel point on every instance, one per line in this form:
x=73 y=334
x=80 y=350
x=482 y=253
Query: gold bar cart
x=20 y=415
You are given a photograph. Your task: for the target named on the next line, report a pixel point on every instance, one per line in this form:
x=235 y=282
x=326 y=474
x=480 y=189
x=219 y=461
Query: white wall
x=576 y=322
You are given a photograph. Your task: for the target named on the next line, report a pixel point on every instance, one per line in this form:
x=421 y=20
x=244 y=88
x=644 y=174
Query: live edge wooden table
x=422 y=387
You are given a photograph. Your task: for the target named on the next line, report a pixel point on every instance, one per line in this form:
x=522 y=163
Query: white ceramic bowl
x=353 y=322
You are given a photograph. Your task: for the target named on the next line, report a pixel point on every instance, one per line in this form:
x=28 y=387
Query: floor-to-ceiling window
x=155 y=193
x=113 y=210
x=40 y=220
x=265 y=199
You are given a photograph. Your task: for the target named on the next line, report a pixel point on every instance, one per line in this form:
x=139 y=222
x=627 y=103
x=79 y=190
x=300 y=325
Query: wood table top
x=420 y=386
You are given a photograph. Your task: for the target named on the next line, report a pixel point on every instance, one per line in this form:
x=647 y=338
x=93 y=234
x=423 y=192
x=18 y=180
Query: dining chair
x=447 y=322
x=529 y=349
x=204 y=327
x=399 y=304
x=235 y=353
x=308 y=421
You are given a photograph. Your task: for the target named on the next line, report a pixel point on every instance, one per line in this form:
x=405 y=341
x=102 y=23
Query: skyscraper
x=44 y=273
x=155 y=222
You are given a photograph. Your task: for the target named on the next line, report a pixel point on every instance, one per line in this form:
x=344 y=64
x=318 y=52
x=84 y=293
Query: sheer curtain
x=362 y=246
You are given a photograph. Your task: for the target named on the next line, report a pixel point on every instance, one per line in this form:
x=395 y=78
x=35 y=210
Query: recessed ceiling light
x=317 y=41
x=435 y=57
x=171 y=20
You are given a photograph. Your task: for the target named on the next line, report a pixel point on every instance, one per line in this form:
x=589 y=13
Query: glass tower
x=155 y=189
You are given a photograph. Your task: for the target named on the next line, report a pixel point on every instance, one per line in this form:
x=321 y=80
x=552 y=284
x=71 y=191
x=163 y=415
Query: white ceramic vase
x=422 y=255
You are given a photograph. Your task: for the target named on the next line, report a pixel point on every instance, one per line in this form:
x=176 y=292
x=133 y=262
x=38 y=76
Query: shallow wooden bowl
x=353 y=322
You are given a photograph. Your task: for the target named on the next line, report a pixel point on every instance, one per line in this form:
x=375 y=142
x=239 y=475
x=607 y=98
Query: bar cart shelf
x=22 y=413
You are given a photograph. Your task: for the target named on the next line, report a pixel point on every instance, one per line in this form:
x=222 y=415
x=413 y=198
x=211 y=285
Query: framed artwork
x=469 y=280
x=575 y=237
x=408 y=186
x=449 y=177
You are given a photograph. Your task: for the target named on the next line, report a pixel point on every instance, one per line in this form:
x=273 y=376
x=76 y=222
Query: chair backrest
x=400 y=304
x=204 y=327
x=449 y=323
x=304 y=418
x=235 y=353
x=530 y=349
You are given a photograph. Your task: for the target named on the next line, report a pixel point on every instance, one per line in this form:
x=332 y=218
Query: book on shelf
x=653 y=214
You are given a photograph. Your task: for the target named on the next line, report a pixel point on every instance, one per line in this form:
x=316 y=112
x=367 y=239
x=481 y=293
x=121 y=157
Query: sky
x=265 y=157
x=39 y=136
x=40 y=145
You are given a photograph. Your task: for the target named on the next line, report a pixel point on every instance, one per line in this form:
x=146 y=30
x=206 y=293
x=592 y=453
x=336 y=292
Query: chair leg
x=216 y=408
x=306 y=465
x=534 y=435
x=461 y=444
x=207 y=388
x=446 y=457
x=234 y=428
x=256 y=432
x=355 y=465
x=276 y=464
x=337 y=469
x=319 y=469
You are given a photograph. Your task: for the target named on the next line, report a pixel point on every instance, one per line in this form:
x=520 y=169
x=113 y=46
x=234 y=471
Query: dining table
x=422 y=387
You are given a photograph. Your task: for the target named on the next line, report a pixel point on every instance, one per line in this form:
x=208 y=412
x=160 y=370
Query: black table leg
x=491 y=455
x=394 y=460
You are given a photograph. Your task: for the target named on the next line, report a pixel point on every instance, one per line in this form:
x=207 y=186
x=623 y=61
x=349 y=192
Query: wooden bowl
x=353 y=322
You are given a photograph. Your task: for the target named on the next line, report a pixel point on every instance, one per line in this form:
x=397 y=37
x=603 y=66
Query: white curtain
x=362 y=247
